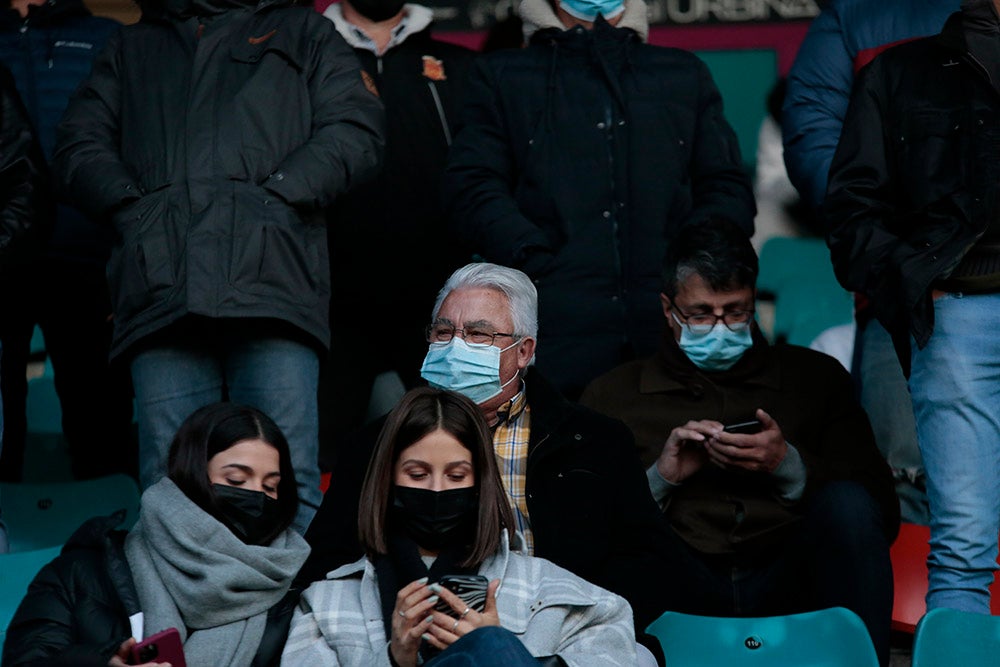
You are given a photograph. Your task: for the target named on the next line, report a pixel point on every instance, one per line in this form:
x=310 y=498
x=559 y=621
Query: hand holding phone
x=748 y=427
x=165 y=646
x=470 y=588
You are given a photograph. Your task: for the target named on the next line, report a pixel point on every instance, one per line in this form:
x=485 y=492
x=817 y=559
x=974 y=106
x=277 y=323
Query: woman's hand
x=445 y=630
x=121 y=656
x=410 y=619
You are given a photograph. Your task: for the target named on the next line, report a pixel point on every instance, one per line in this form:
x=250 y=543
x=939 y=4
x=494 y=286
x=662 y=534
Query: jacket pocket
x=275 y=255
x=143 y=266
x=931 y=145
x=551 y=605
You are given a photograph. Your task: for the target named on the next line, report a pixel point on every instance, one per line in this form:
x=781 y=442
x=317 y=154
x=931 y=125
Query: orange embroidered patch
x=262 y=38
x=434 y=69
x=369 y=83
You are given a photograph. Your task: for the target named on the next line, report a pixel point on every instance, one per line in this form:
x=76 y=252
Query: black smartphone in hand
x=747 y=427
x=470 y=588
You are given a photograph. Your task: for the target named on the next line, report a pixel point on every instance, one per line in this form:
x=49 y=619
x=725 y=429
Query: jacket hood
x=539 y=15
x=418 y=18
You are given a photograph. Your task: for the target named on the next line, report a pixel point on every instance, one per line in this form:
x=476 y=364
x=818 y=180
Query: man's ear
x=666 y=304
x=525 y=352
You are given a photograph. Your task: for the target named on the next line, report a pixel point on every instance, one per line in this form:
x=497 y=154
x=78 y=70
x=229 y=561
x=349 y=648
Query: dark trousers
x=70 y=303
x=838 y=557
x=486 y=647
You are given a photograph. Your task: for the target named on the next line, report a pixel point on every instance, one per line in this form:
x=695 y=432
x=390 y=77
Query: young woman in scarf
x=212 y=554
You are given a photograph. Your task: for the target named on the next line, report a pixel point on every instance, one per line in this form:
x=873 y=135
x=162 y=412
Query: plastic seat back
x=952 y=638
x=798 y=274
x=833 y=637
x=45 y=514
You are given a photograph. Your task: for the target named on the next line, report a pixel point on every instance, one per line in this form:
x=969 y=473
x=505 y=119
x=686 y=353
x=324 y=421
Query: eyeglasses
x=702 y=323
x=443 y=333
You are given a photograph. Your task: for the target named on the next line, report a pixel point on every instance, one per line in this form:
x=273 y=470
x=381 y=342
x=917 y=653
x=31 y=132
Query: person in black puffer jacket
x=212 y=554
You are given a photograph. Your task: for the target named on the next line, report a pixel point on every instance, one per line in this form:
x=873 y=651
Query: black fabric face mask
x=436 y=519
x=253 y=516
x=378 y=10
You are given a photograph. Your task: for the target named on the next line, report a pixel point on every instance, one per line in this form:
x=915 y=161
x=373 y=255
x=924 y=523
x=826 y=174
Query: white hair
x=514 y=284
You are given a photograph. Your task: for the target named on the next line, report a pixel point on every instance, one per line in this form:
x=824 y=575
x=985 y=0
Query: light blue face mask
x=471 y=370
x=717 y=349
x=587 y=10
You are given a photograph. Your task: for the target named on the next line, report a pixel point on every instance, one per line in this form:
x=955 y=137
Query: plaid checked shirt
x=510 y=442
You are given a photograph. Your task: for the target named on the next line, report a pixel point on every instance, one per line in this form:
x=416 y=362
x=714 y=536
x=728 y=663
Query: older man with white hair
x=574 y=480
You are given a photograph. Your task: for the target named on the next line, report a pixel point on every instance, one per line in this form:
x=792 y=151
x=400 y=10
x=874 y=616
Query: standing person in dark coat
x=914 y=222
x=846 y=36
x=49 y=46
x=579 y=157
x=24 y=190
x=389 y=232
x=794 y=515
x=213 y=135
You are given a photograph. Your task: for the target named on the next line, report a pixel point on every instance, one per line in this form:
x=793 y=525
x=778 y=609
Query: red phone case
x=164 y=646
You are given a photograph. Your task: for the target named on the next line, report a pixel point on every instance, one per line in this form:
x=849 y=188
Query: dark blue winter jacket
x=847 y=35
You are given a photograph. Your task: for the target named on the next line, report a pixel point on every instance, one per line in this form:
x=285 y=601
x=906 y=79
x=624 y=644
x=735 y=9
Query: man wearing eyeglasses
x=792 y=510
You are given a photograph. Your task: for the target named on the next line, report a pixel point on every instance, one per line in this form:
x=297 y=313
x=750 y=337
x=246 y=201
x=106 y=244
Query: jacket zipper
x=440 y=110
x=611 y=212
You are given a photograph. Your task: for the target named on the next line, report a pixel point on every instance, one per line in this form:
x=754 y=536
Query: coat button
x=601 y=125
x=621 y=123
x=606 y=214
x=578 y=437
x=278 y=176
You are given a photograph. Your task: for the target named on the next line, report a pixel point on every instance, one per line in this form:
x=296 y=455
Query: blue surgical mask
x=717 y=349
x=587 y=10
x=471 y=370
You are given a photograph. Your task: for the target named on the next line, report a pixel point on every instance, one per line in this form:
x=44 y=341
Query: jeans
x=486 y=647
x=955 y=386
x=275 y=375
x=837 y=557
x=886 y=398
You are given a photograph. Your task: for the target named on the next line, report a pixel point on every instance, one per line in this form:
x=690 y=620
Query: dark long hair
x=215 y=428
x=420 y=412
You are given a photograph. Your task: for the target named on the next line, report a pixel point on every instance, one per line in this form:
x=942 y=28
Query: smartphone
x=164 y=646
x=748 y=427
x=471 y=588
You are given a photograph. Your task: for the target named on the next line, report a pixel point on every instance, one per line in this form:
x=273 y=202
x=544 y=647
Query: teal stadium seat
x=16 y=572
x=952 y=638
x=45 y=514
x=833 y=637
x=798 y=275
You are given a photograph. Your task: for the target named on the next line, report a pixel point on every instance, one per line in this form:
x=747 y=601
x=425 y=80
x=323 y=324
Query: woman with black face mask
x=433 y=508
x=212 y=555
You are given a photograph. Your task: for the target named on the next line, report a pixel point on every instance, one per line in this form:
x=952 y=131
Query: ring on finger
x=467 y=610
x=401 y=613
x=455 y=627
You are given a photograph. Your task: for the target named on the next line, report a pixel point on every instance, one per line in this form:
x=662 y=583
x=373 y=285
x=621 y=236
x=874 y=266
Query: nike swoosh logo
x=262 y=38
